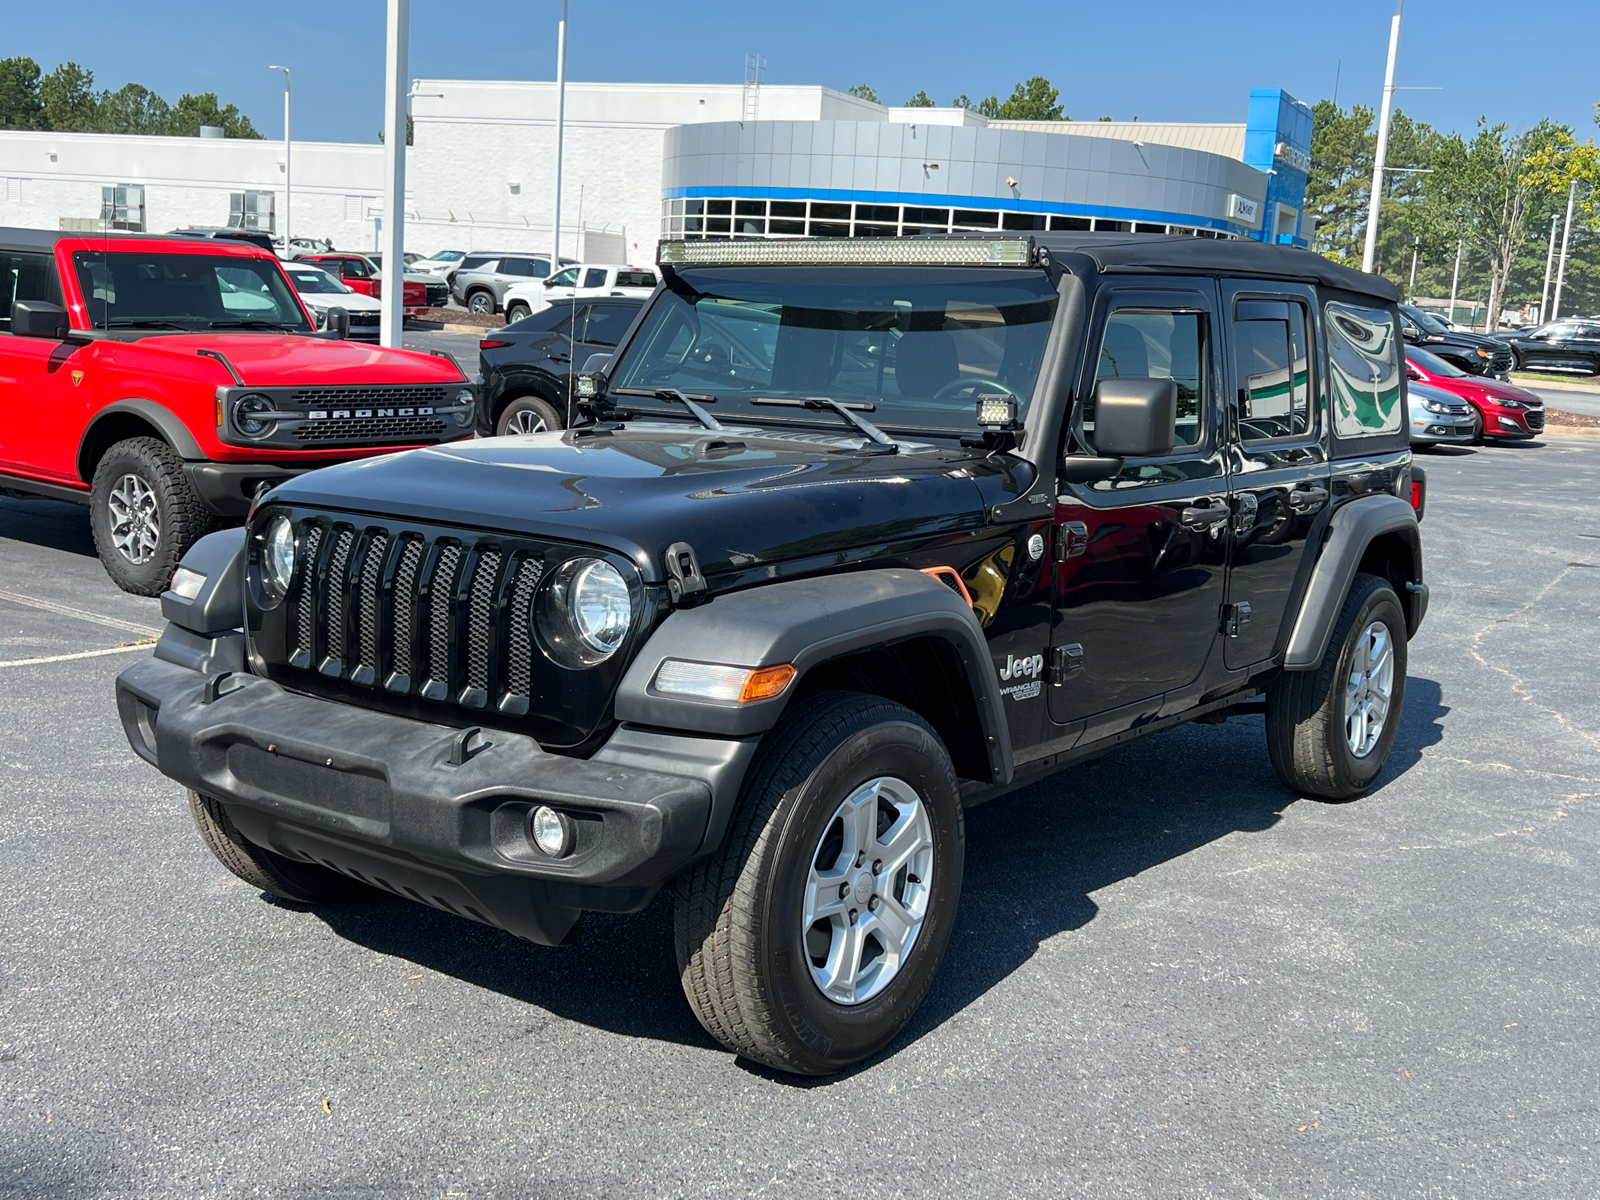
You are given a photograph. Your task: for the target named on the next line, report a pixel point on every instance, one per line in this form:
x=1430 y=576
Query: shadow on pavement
x=1034 y=860
x=56 y=524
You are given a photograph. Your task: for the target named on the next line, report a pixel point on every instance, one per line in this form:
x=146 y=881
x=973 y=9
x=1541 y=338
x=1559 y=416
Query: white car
x=586 y=281
x=322 y=291
x=440 y=264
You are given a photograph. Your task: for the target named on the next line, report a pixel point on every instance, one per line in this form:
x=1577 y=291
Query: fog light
x=1508 y=423
x=551 y=831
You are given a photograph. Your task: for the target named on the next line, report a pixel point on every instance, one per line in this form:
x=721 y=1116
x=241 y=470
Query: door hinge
x=683 y=572
x=1244 y=514
x=1072 y=539
x=1065 y=662
x=1235 y=617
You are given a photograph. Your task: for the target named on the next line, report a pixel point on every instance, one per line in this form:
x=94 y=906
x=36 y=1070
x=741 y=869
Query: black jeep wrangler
x=853 y=535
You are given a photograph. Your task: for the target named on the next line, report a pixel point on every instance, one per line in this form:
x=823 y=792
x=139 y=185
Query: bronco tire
x=810 y=938
x=144 y=514
x=528 y=414
x=1329 y=731
x=304 y=882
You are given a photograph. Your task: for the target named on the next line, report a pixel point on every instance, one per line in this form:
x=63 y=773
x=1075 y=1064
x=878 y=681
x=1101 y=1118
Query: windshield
x=1426 y=320
x=155 y=290
x=915 y=345
x=447 y=256
x=1432 y=363
x=310 y=279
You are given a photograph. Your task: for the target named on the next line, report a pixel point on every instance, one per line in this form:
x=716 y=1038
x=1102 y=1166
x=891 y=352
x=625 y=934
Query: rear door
x=1276 y=457
x=1141 y=558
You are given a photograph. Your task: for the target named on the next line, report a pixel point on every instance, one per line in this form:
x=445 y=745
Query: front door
x=1276 y=459
x=41 y=380
x=1140 y=558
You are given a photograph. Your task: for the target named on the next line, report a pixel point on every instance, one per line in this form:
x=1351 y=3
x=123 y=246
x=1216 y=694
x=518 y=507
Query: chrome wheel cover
x=480 y=304
x=526 y=420
x=1368 y=690
x=135 y=519
x=867 y=891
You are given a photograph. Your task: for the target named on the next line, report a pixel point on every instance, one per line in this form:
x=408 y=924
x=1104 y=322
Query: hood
x=354 y=302
x=1494 y=389
x=743 y=498
x=284 y=359
x=1418 y=392
x=1457 y=338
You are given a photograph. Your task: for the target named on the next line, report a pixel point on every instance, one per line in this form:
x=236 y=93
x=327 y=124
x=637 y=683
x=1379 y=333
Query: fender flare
x=174 y=431
x=1350 y=531
x=807 y=622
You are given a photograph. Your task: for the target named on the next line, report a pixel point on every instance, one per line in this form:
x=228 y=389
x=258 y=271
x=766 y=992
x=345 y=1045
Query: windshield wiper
x=145 y=323
x=251 y=324
x=879 y=442
x=674 y=396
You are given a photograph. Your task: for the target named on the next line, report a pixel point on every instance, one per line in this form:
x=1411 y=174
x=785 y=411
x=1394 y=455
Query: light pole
x=1375 y=200
x=1566 y=237
x=288 y=249
x=391 y=321
x=1416 y=245
x=561 y=118
x=1549 y=265
x=1455 y=284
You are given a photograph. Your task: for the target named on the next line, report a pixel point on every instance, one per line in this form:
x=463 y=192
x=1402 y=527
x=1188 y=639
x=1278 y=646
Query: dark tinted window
x=516 y=266
x=541 y=268
x=594 y=277
x=638 y=279
x=542 y=322
x=608 y=322
x=25 y=276
x=474 y=261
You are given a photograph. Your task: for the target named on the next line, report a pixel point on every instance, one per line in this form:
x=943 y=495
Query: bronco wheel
x=810 y=938
x=1329 y=731
x=304 y=882
x=480 y=302
x=144 y=514
x=528 y=414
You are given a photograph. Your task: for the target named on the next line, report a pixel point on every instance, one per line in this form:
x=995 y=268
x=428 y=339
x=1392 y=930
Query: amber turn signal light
x=766 y=683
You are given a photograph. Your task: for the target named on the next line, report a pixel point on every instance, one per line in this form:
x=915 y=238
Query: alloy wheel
x=1369 y=689
x=867 y=891
x=526 y=420
x=135 y=519
x=480 y=303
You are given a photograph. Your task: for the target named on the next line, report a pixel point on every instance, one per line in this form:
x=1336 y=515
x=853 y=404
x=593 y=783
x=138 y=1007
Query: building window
x=122 y=207
x=251 y=210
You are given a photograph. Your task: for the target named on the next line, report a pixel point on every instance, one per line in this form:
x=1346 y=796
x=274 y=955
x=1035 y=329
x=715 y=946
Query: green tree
x=990 y=107
x=193 y=111
x=68 y=98
x=921 y=100
x=1032 y=100
x=132 y=108
x=963 y=101
x=20 y=106
x=411 y=132
x=865 y=91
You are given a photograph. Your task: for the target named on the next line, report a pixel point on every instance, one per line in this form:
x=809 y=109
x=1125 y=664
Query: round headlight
x=244 y=410
x=466 y=401
x=584 y=614
x=277 y=556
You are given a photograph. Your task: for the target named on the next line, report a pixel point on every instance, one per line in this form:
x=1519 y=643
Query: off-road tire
x=741 y=953
x=305 y=883
x=182 y=516
x=1306 y=709
x=516 y=311
x=481 y=300
x=540 y=410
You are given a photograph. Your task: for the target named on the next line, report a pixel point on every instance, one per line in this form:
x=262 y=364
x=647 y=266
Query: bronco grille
x=433 y=622
x=365 y=396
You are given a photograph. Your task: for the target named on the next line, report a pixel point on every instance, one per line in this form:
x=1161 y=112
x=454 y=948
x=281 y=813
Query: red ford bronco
x=164 y=381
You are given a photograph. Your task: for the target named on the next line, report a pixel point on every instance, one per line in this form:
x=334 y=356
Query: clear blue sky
x=1157 y=59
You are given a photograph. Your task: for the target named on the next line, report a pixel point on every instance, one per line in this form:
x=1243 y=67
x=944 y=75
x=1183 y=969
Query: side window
x=25 y=276
x=1365 y=370
x=516 y=266
x=636 y=279
x=353 y=267
x=1272 y=369
x=571 y=323
x=594 y=277
x=608 y=322
x=1141 y=343
x=473 y=262
x=541 y=269
x=566 y=278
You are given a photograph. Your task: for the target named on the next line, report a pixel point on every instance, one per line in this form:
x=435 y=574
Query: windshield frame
x=1424 y=320
x=268 y=269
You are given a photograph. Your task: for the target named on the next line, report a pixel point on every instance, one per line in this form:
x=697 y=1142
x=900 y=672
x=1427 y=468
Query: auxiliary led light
x=959 y=252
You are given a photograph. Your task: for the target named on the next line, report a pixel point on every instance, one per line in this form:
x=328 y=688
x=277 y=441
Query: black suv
x=527 y=368
x=853 y=535
x=1474 y=353
x=1570 y=344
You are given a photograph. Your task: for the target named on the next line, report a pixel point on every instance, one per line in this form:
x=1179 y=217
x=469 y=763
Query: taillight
x=1416 y=494
x=491 y=344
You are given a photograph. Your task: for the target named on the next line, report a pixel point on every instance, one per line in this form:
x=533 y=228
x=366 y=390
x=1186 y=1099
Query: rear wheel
x=480 y=302
x=516 y=311
x=810 y=938
x=144 y=514
x=528 y=414
x=260 y=868
x=1329 y=731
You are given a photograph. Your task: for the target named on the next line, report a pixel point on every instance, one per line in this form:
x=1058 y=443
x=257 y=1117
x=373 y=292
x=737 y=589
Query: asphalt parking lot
x=1170 y=976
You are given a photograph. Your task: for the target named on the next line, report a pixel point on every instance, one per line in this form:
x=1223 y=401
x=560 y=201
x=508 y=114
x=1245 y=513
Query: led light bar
x=951 y=252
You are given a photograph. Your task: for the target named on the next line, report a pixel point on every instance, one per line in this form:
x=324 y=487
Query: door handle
x=1307 y=500
x=1203 y=518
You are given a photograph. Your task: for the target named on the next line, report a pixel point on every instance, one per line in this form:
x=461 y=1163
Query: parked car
x=1561 y=346
x=1474 y=353
x=164 y=381
x=255 y=237
x=586 y=281
x=527 y=367
x=443 y=263
x=361 y=274
x=1499 y=409
x=822 y=565
x=480 y=282
x=323 y=292
x=300 y=246
x=1439 y=417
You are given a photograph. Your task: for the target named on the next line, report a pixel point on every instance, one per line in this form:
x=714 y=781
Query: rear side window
x=516 y=266
x=594 y=277
x=473 y=262
x=1365 y=370
x=638 y=279
x=26 y=276
x=608 y=322
x=1273 y=369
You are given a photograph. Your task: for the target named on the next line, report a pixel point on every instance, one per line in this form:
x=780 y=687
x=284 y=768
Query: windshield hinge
x=683 y=573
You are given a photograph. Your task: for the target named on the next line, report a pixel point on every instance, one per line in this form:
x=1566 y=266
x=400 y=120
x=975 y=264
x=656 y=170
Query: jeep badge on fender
x=778 y=609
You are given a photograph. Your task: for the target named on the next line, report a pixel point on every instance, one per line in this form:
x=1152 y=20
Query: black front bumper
x=228 y=488
x=377 y=797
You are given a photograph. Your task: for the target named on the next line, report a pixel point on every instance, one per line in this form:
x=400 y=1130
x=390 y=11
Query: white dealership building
x=647 y=161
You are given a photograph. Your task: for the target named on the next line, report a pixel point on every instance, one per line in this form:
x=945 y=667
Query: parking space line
x=55 y=658
x=82 y=614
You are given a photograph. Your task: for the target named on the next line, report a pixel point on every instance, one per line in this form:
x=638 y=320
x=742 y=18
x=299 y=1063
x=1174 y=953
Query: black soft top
x=12 y=238
x=1131 y=253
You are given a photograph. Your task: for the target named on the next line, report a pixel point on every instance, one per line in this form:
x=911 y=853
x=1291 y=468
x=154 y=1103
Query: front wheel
x=144 y=514
x=516 y=311
x=1329 y=731
x=808 y=940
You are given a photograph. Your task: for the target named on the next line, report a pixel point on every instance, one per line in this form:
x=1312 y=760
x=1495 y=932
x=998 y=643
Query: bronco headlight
x=244 y=415
x=583 y=614
x=277 y=557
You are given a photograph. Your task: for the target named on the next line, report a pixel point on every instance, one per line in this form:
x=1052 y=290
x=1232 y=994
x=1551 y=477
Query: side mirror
x=40 y=319
x=338 y=323
x=1135 y=418
x=1413 y=376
